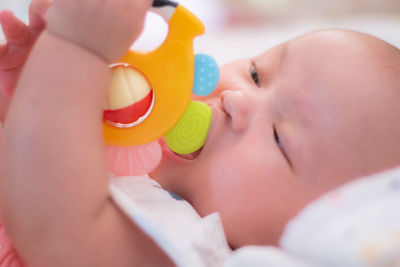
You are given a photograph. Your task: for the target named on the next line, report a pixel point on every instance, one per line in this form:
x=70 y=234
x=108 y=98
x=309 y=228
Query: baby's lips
x=130 y=95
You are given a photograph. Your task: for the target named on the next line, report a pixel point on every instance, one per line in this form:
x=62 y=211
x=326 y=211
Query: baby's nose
x=238 y=105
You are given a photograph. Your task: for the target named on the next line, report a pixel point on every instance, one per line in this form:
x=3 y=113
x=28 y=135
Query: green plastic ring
x=190 y=132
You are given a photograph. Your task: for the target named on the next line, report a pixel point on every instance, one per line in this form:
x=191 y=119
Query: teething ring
x=170 y=72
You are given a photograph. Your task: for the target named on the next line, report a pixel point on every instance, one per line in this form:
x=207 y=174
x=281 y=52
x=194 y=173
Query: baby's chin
x=165 y=173
x=173 y=166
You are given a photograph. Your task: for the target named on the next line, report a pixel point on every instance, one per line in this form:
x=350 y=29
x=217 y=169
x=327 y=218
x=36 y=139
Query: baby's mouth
x=190 y=156
x=187 y=157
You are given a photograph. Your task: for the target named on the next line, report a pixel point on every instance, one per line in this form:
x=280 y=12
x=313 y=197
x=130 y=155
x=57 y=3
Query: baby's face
x=288 y=126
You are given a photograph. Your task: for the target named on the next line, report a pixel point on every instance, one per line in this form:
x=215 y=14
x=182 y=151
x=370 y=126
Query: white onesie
x=171 y=222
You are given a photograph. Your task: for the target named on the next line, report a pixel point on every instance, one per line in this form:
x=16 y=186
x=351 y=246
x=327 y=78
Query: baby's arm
x=54 y=190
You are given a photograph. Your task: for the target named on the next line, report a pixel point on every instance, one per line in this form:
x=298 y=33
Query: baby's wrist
x=82 y=29
x=106 y=28
x=80 y=43
x=60 y=31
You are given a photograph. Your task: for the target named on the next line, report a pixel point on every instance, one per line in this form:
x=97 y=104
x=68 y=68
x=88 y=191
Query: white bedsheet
x=246 y=41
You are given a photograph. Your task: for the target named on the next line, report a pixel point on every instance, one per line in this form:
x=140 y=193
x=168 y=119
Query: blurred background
x=243 y=28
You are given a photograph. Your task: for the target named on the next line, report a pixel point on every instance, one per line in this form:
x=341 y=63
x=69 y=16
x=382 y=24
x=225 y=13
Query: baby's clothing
x=171 y=222
x=357 y=225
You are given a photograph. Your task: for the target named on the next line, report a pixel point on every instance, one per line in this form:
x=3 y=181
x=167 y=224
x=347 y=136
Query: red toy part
x=131 y=113
x=133 y=160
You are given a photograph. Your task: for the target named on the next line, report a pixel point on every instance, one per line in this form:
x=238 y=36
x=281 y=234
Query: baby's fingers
x=37 y=13
x=8 y=81
x=3 y=49
x=15 y=30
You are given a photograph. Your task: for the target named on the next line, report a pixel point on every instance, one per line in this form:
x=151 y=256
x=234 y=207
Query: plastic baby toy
x=150 y=97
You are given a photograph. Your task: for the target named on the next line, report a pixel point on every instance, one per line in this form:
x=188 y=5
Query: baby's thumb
x=40 y=7
x=37 y=14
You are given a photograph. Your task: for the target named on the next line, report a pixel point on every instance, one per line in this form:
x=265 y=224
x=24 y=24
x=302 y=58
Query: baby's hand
x=106 y=27
x=19 y=41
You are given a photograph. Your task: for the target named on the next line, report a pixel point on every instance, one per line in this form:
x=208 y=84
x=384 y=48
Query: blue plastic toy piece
x=206 y=75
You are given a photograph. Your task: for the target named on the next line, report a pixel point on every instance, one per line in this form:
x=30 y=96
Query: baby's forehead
x=356 y=72
x=335 y=58
x=352 y=42
x=329 y=41
x=353 y=51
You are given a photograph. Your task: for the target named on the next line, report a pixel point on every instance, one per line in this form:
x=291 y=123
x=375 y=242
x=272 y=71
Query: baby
x=288 y=126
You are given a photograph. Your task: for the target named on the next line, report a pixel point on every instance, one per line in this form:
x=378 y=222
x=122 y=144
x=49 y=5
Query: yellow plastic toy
x=150 y=93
